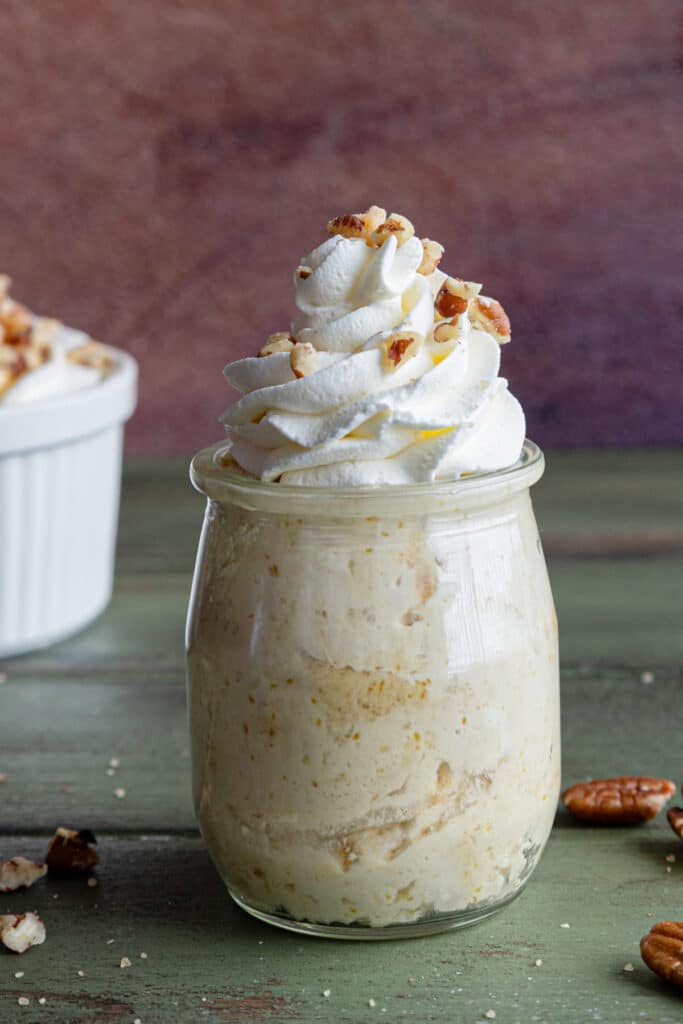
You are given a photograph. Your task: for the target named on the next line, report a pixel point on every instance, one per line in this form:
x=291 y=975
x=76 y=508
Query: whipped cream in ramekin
x=390 y=374
x=41 y=358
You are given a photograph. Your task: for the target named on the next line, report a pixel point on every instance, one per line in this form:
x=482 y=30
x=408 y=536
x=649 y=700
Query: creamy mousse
x=374 y=688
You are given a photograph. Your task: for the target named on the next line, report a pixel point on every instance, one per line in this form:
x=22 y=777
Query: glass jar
x=374 y=698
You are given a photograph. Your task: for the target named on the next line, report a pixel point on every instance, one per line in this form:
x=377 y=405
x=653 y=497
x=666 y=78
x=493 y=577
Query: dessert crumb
x=81 y=974
x=110 y=772
x=565 y=925
x=668 y=869
x=327 y=993
x=92 y=882
x=670 y=858
x=23 y=1001
x=629 y=967
x=538 y=963
x=371 y=1002
x=18 y=974
x=647 y=677
x=114 y=762
x=143 y=956
x=125 y=962
x=490 y=1014
x=411 y=980
x=42 y=1000
x=119 y=793
x=109 y=941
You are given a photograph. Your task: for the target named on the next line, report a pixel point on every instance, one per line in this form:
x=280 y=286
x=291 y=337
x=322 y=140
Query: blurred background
x=165 y=163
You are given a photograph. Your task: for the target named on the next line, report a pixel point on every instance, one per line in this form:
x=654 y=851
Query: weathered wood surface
x=117 y=691
x=164 y=164
x=208 y=962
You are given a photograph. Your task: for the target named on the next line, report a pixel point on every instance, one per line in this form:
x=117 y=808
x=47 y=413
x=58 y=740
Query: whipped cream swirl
x=354 y=418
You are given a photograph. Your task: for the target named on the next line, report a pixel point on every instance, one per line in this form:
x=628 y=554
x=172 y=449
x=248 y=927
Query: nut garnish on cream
x=41 y=358
x=389 y=374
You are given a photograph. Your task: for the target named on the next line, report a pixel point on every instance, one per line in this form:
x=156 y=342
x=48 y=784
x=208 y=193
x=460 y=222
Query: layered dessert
x=373 y=681
x=41 y=358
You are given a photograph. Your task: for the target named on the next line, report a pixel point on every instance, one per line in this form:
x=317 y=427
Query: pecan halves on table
x=662 y=951
x=628 y=800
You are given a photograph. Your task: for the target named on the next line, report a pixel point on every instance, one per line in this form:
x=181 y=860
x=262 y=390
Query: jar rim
x=212 y=479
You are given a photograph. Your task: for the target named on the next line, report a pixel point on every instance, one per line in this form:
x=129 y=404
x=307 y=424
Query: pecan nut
x=431 y=256
x=398 y=226
x=358 y=225
x=662 y=951
x=489 y=316
x=281 y=341
x=69 y=850
x=20 y=873
x=400 y=347
x=303 y=359
x=628 y=800
x=675 y=819
x=18 y=932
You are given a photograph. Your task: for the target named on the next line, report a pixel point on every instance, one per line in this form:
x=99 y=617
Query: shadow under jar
x=374 y=698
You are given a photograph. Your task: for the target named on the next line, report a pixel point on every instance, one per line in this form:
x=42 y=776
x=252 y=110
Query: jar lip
x=212 y=479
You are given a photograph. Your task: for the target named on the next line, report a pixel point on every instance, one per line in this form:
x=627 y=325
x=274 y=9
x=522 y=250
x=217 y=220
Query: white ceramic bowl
x=60 y=475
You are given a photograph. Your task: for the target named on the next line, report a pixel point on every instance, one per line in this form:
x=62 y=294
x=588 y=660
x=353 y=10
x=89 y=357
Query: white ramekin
x=60 y=476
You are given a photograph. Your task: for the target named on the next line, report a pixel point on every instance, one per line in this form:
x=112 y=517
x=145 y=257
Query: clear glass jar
x=374 y=698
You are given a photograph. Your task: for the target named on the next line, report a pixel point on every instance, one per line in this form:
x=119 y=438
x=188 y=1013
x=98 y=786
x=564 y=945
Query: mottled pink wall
x=163 y=164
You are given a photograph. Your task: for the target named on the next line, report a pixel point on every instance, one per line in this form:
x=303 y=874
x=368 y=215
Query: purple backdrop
x=164 y=164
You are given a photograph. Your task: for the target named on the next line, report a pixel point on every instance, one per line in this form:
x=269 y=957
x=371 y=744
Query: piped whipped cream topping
x=41 y=358
x=389 y=374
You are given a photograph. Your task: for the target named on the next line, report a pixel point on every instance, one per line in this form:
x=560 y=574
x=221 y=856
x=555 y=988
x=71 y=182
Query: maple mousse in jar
x=372 y=643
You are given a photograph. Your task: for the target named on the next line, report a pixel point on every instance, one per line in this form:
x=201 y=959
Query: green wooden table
x=613 y=529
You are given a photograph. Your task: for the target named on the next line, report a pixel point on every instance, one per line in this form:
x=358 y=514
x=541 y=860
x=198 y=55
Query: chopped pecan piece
x=282 y=341
x=489 y=315
x=302 y=272
x=662 y=951
x=19 y=873
x=16 y=319
x=396 y=225
x=93 y=355
x=431 y=256
x=303 y=359
x=18 y=932
x=675 y=819
x=448 y=330
x=451 y=295
x=450 y=300
x=372 y=218
x=358 y=225
x=349 y=225
x=400 y=347
x=628 y=800
x=71 y=850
